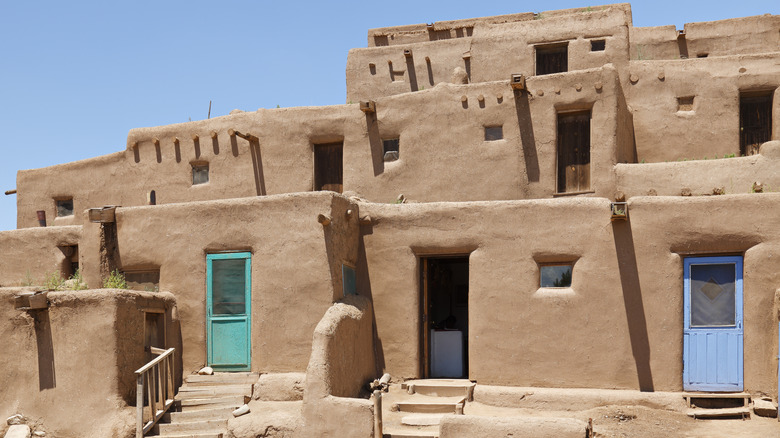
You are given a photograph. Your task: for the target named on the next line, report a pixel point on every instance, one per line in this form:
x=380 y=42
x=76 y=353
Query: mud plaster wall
x=342 y=362
x=712 y=129
x=293 y=283
x=52 y=379
x=620 y=324
x=735 y=36
x=733 y=175
x=493 y=53
x=33 y=253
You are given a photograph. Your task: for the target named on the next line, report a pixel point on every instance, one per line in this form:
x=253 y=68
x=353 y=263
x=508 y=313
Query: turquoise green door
x=228 y=310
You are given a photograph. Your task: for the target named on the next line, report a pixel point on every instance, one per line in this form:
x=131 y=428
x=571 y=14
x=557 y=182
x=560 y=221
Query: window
x=555 y=275
x=348 y=281
x=64 y=207
x=598 y=45
x=685 y=103
x=328 y=167
x=755 y=121
x=200 y=173
x=493 y=133
x=552 y=58
x=574 y=152
x=390 y=148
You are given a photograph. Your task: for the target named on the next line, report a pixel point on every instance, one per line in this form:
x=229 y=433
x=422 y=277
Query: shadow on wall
x=632 y=300
x=47 y=378
x=527 y=136
x=257 y=166
x=364 y=288
x=377 y=151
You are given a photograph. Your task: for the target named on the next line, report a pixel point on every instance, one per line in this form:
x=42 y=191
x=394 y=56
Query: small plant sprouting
x=77 y=281
x=538 y=16
x=28 y=280
x=53 y=281
x=115 y=280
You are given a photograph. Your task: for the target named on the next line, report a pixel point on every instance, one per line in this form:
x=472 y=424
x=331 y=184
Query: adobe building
x=549 y=200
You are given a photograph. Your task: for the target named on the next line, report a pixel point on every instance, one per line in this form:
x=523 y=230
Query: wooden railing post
x=139 y=406
x=378 y=414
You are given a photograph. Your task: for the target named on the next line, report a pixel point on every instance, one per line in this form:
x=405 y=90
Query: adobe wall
x=618 y=326
x=29 y=255
x=701 y=177
x=712 y=128
x=296 y=265
x=342 y=362
x=77 y=356
x=496 y=50
x=734 y=36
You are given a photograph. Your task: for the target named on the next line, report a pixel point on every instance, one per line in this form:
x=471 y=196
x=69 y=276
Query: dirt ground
x=644 y=422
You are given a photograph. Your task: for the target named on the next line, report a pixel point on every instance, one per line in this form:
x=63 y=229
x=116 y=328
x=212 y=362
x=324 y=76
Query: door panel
x=713 y=334
x=228 y=311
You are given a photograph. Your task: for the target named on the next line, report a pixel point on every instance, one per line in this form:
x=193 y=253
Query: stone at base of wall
x=764 y=407
x=280 y=387
x=18 y=431
x=455 y=426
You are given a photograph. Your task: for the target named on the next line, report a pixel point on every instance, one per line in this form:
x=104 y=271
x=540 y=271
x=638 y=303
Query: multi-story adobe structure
x=554 y=200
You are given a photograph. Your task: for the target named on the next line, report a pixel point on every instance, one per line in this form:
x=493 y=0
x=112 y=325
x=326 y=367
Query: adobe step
x=188 y=392
x=195 y=435
x=410 y=434
x=209 y=403
x=201 y=426
x=431 y=405
x=221 y=378
x=440 y=387
x=202 y=414
x=719 y=412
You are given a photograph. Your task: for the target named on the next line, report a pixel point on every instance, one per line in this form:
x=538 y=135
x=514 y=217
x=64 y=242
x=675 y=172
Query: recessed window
x=555 y=275
x=702 y=55
x=390 y=148
x=493 y=133
x=200 y=173
x=598 y=45
x=552 y=58
x=685 y=103
x=64 y=207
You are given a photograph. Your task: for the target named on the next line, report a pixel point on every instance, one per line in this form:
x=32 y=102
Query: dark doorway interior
x=574 y=152
x=328 y=167
x=755 y=121
x=445 y=316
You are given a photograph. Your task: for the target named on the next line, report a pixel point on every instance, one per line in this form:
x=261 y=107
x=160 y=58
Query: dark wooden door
x=574 y=152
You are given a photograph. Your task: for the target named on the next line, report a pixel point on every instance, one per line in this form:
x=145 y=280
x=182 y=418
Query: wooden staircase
x=718 y=405
x=205 y=403
x=414 y=408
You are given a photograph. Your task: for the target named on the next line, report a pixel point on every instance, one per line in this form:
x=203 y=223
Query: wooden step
x=719 y=412
x=221 y=378
x=200 y=426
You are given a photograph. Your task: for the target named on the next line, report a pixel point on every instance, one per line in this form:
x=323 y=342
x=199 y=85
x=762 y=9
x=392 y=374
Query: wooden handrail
x=157 y=378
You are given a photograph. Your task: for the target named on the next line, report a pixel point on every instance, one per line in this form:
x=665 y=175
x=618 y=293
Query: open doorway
x=444 y=320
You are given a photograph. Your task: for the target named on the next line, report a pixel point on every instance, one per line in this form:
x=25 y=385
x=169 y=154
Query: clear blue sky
x=75 y=77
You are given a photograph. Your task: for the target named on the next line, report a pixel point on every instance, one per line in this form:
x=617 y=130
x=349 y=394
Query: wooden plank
x=424 y=323
x=717 y=413
x=154 y=361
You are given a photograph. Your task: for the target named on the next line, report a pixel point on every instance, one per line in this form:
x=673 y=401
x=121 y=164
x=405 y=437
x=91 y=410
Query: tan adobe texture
x=473 y=157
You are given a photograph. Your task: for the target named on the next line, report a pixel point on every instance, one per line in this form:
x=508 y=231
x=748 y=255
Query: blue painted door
x=228 y=310
x=712 y=336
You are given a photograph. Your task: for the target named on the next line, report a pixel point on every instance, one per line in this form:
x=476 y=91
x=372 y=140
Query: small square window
x=555 y=275
x=390 y=148
x=685 y=103
x=493 y=133
x=598 y=45
x=200 y=173
x=64 y=207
